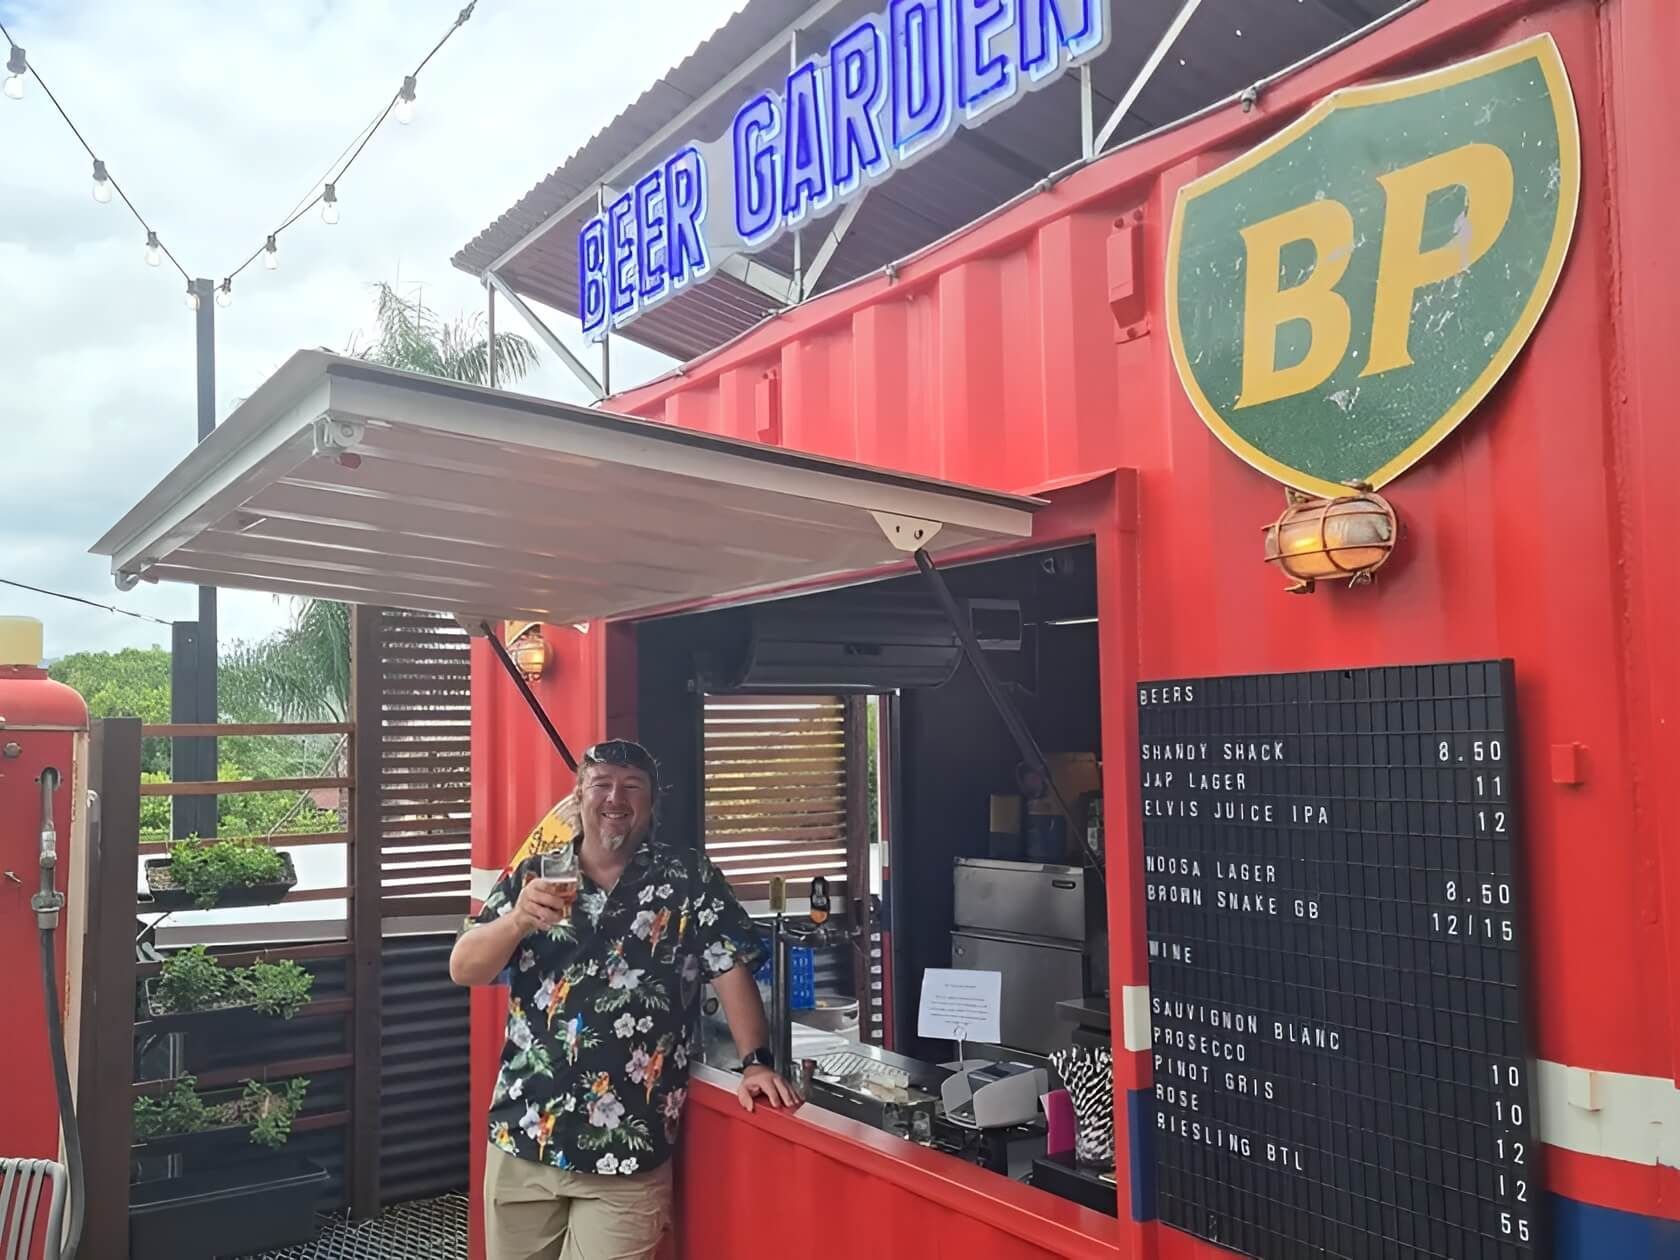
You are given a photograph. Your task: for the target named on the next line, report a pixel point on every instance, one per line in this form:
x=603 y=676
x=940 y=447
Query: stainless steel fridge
x=1031 y=922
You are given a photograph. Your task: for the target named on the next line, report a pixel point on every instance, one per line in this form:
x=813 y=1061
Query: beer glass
x=559 y=868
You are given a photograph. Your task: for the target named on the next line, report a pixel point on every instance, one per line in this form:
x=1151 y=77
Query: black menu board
x=1336 y=948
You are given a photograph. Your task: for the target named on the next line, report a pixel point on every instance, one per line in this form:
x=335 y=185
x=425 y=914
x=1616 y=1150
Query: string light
x=17 y=65
x=405 y=101
x=401 y=105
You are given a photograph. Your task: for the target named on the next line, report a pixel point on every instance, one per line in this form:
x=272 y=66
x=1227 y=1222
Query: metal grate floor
x=431 y=1229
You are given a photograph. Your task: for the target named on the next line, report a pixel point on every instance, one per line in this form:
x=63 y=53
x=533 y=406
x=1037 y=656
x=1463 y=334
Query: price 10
x=1511 y=1148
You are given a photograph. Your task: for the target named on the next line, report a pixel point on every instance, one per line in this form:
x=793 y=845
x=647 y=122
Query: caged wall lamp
x=1346 y=538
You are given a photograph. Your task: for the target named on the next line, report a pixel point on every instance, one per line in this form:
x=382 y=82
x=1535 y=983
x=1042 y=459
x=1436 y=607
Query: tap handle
x=821 y=905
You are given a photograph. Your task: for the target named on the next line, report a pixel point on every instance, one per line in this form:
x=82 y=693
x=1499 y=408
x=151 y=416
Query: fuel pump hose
x=66 y=1103
x=48 y=905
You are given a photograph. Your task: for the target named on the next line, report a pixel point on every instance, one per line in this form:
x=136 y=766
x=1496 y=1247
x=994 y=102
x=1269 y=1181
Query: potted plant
x=204 y=874
x=184 y=1118
x=222 y=1203
x=193 y=985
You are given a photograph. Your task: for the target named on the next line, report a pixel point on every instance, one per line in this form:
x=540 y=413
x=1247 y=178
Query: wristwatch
x=759 y=1058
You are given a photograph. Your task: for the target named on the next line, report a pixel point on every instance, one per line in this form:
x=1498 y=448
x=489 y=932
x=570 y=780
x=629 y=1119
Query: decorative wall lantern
x=1346 y=538
x=528 y=648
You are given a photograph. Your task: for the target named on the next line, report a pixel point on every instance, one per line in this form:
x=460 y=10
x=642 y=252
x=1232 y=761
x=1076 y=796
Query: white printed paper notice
x=960 y=1005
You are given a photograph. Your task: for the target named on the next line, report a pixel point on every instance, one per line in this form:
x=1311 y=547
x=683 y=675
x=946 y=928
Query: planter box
x=235 y=1135
x=168 y=897
x=228 y=1211
x=229 y=1021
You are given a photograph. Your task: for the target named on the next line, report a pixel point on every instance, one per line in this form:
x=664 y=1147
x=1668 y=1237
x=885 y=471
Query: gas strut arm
x=530 y=697
x=1018 y=729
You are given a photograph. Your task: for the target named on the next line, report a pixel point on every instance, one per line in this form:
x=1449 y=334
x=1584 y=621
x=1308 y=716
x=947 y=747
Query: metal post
x=195 y=650
x=1087 y=121
x=796 y=291
x=606 y=335
x=490 y=342
x=186 y=814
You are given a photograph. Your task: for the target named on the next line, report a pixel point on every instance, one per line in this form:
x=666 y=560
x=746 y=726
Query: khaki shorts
x=534 y=1212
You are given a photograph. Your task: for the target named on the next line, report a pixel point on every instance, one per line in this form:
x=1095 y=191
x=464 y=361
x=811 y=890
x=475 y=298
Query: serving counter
x=769 y=1178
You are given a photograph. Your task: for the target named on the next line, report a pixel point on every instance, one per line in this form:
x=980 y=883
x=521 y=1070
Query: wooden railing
x=236 y=787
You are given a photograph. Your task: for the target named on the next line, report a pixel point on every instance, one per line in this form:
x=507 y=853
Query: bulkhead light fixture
x=1347 y=538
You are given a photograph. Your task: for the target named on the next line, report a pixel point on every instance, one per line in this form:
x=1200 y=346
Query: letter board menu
x=1336 y=950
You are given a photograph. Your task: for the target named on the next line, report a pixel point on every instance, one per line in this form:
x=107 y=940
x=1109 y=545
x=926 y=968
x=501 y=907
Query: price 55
x=1517 y=1228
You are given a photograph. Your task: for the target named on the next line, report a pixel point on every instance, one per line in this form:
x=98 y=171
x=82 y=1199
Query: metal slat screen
x=424 y=1071
x=775 y=792
x=425 y=764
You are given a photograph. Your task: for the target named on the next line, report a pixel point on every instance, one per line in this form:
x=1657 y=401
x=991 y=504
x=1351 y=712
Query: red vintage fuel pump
x=43 y=816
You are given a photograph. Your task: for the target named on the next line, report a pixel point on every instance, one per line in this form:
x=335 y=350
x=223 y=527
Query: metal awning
x=343 y=480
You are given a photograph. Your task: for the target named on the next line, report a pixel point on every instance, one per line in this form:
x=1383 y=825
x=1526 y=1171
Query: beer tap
x=819 y=931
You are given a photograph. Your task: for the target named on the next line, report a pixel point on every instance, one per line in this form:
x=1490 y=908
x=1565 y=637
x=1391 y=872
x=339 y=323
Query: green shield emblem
x=1342 y=296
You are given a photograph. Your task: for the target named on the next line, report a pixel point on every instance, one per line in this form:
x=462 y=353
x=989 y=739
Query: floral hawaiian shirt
x=595 y=1070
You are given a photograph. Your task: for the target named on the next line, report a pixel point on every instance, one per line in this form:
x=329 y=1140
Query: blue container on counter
x=802 y=976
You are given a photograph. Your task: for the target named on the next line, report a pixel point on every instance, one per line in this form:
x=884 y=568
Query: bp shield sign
x=1339 y=298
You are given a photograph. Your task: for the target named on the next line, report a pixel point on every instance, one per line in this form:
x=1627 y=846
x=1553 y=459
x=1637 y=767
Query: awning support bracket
x=1028 y=747
x=334 y=435
x=530 y=697
x=907 y=533
x=495 y=284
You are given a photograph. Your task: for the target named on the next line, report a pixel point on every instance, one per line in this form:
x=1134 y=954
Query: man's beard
x=615 y=842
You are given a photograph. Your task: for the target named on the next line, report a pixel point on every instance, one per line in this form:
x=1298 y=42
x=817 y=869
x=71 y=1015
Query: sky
x=217 y=119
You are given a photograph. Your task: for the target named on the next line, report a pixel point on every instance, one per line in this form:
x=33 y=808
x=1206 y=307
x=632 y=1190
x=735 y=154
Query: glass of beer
x=559 y=868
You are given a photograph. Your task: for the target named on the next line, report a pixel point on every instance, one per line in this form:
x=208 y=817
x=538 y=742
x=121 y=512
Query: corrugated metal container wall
x=1534 y=532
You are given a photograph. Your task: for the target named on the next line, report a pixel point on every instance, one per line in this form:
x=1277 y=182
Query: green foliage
x=271 y=1111
x=268 y=1112
x=135 y=683
x=181 y=1110
x=301 y=674
x=192 y=980
x=131 y=683
x=279 y=988
x=412 y=337
x=207 y=868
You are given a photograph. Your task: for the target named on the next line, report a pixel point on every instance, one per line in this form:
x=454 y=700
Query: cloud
x=216 y=119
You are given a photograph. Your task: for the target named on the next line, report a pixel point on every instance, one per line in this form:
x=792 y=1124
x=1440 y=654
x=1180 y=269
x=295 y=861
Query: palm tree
x=305 y=670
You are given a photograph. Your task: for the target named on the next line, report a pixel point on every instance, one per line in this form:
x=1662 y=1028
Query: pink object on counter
x=1058 y=1114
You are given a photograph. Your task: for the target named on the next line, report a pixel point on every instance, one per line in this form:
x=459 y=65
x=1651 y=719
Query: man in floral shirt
x=601 y=1000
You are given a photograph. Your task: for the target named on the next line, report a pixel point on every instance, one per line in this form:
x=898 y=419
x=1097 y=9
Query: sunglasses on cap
x=622 y=752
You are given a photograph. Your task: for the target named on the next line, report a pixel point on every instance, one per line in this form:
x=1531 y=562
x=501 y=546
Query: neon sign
x=889 y=90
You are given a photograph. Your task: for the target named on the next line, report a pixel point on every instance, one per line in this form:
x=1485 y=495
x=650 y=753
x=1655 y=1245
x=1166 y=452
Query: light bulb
x=17 y=65
x=405 y=102
x=224 y=293
x=192 y=298
x=329 y=205
x=154 y=249
x=101 y=183
x=271 y=255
